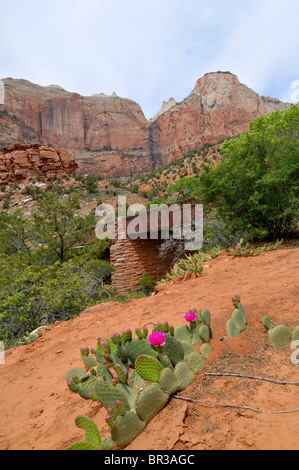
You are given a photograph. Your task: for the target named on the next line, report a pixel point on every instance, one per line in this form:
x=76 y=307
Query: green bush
x=147 y=283
x=255 y=188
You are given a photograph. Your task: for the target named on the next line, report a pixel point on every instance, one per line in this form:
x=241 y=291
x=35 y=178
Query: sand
x=38 y=411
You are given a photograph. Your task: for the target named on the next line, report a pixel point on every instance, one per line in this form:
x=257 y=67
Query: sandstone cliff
x=23 y=162
x=219 y=107
x=110 y=135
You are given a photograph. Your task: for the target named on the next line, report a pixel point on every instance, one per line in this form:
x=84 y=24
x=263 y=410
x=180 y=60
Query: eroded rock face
x=219 y=107
x=24 y=162
x=92 y=127
x=111 y=136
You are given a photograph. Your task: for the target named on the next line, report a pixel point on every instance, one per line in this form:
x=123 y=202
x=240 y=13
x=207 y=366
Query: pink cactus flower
x=238 y=247
x=157 y=339
x=191 y=316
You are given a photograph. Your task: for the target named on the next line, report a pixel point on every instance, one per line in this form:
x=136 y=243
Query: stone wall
x=130 y=258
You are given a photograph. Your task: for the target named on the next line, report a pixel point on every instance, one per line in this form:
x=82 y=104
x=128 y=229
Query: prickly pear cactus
x=173 y=349
x=148 y=367
x=206 y=350
x=195 y=362
x=238 y=319
x=183 y=375
x=232 y=329
x=295 y=334
x=92 y=436
x=150 y=402
x=133 y=378
x=267 y=323
x=126 y=427
x=206 y=316
x=279 y=336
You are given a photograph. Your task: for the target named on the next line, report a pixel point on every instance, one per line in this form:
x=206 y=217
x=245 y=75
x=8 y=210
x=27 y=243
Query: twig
x=234 y=406
x=251 y=377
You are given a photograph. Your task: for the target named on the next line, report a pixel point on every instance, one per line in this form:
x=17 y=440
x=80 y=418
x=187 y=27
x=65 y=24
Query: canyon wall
x=111 y=136
x=219 y=107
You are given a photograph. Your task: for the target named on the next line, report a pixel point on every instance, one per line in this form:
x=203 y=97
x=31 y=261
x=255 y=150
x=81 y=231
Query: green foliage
x=147 y=283
x=35 y=296
x=45 y=275
x=184 y=188
x=90 y=184
x=256 y=186
x=190 y=264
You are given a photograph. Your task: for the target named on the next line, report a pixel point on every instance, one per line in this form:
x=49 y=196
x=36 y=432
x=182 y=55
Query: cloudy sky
x=151 y=50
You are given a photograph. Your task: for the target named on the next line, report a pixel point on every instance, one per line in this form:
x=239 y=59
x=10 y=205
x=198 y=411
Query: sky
x=151 y=50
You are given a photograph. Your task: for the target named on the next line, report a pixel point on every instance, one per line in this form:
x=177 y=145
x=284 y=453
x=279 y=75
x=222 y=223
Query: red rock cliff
x=22 y=162
x=110 y=135
x=219 y=107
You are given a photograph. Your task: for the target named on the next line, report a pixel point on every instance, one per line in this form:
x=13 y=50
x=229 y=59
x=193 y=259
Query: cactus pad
x=183 y=375
x=238 y=319
x=150 y=402
x=86 y=387
x=279 y=336
x=183 y=333
x=206 y=350
x=174 y=349
x=74 y=372
x=206 y=316
x=267 y=323
x=148 y=367
x=108 y=393
x=168 y=382
x=121 y=373
x=195 y=362
x=127 y=428
x=232 y=329
x=33 y=337
x=188 y=348
x=204 y=333
x=136 y=347
x=89 y=361
x=135 y=381
x=295 y=334
x=92 y=434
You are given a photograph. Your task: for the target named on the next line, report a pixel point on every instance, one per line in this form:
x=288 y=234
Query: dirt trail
x=37 y=410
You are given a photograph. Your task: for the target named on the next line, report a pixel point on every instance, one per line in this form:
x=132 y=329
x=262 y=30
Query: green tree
x=255 y=188
x=58 y=225
x=16 y=234
x=184 y=188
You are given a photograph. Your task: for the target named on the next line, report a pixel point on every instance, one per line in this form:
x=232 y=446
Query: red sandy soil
x=38 y=411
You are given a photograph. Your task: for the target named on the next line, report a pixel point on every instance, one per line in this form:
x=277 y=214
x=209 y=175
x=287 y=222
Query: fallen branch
x=251 y=377
x=234 y=406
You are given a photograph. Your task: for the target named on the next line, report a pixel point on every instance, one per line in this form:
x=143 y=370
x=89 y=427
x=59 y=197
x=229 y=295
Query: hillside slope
x=39 y=411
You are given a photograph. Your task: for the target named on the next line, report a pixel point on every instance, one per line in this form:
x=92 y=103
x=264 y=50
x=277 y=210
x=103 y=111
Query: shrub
x=256 y=186
x=147 y=283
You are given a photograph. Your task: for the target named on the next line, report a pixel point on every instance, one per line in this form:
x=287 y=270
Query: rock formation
x=110 y=135
x=24 y=162
x=219 y=107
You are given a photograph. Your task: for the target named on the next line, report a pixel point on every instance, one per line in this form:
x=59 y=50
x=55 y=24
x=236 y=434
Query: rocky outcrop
x=219 y=107
x=110 y=135
x=24 y=162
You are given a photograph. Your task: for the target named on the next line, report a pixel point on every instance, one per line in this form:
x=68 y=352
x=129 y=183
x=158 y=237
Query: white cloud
x=149 y=50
